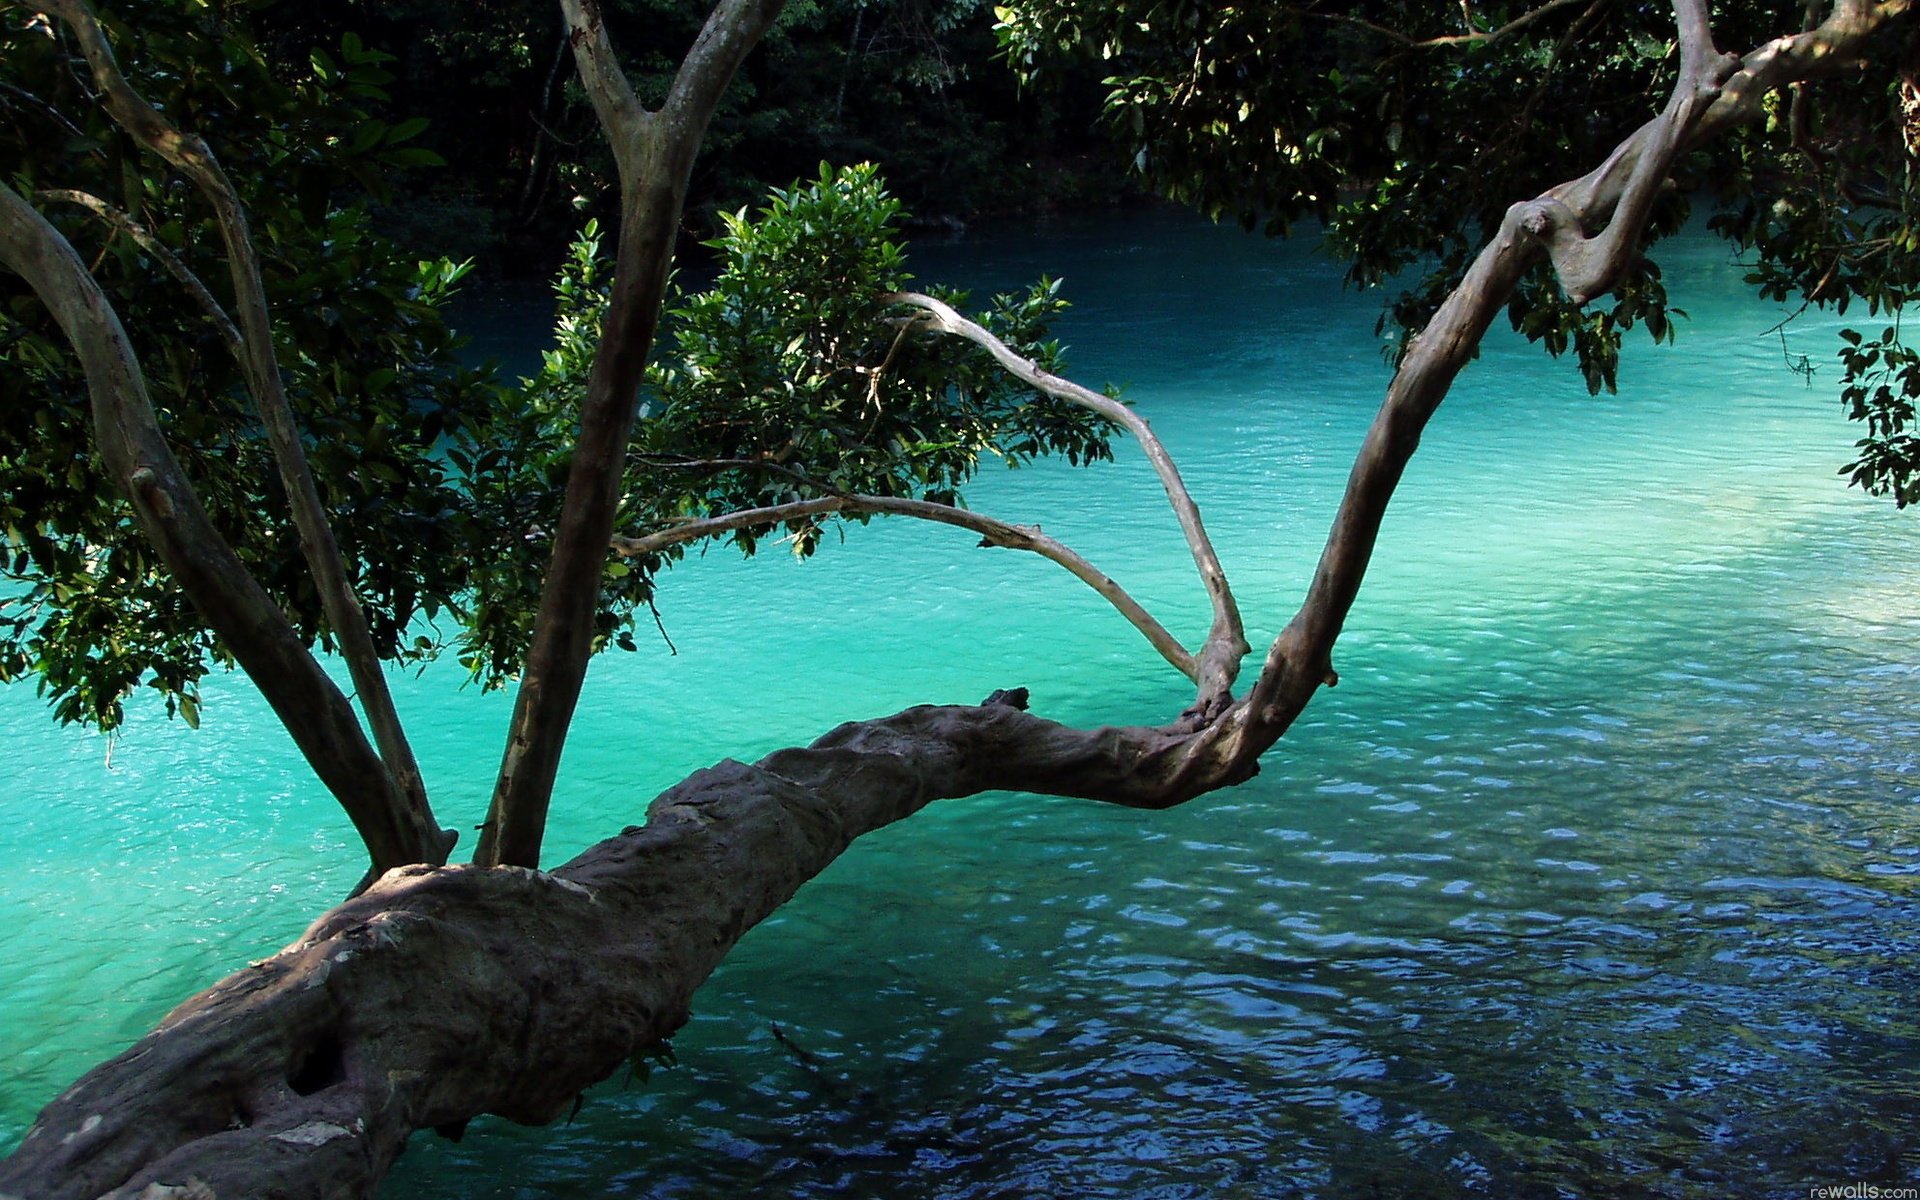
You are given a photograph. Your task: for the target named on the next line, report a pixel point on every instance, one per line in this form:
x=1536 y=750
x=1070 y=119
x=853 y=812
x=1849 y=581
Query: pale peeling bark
x=993 y=532
x=1226 y=644
x=192 y=157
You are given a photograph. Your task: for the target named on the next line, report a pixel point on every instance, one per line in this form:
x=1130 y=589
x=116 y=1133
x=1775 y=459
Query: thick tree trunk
x=443 y=993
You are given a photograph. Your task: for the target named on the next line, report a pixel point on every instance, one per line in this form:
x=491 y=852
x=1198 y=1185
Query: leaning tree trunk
x=442 y=993
x=445 y=992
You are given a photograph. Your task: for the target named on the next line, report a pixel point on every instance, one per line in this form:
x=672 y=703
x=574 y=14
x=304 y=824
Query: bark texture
x=441 y=993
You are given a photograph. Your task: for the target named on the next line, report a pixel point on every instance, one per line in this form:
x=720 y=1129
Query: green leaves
x=788 y=378
x=1880 y=389
x=85 y=607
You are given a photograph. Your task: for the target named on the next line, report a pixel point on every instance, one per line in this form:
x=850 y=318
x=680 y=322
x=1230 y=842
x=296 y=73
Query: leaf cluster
x=788 y=378
x=369 y=363
x=1405 y=128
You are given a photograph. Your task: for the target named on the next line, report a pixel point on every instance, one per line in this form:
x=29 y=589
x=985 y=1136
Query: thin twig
x=996 y=533
x=125 y=223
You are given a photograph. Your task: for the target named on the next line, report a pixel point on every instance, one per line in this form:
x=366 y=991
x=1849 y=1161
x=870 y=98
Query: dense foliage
x=912 y=85
x=784 y=379
x=1407 y=127
x=367 y=358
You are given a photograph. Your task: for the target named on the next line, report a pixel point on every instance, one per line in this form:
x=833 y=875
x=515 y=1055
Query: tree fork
x=655 y=152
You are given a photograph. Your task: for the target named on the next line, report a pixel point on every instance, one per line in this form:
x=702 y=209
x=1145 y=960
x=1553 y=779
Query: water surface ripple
x=1595 y=877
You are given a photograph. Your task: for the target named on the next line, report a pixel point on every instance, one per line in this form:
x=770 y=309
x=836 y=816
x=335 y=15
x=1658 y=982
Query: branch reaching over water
x=1713 y=94
x=1219 y=659
x=137 y=460
x=191 y=155
x=996 y=533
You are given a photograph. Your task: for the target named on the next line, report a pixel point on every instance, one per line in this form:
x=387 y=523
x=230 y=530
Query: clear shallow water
x=1595 y=876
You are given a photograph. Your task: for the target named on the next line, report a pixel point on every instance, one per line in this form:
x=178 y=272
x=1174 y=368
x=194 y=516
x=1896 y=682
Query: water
x=1595 y=876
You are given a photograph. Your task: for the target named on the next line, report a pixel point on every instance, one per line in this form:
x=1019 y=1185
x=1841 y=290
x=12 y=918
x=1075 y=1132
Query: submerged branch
x=994 y=532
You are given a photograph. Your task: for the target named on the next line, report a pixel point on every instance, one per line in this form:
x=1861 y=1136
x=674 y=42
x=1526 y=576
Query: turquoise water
x=1595 y=876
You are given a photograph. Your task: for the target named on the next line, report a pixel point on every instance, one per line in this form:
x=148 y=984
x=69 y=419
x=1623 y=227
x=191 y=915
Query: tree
x=442 y=992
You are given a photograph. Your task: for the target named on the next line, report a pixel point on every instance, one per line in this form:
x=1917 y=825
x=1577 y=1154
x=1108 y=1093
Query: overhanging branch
x=1708 y=101
x=995 y=532
x=1219 y=659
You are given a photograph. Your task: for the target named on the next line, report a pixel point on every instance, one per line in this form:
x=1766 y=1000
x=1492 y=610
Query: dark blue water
x=1595 y=877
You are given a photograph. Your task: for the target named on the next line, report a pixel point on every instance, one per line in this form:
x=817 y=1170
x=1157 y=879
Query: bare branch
x=1226 y=644
x=192 y=156
x=733 y=29
x=1587 y=266
x=1476 y=37
x=124 y=222
x=995 y=532
x=620 y=112
x=655 y=166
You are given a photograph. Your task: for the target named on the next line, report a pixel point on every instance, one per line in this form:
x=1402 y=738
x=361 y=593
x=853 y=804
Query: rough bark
x=446 y=992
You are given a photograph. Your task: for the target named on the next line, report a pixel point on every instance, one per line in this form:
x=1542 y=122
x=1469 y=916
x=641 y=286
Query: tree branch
x=192 y=156
x=621 y=115
x=124 y=222
x=302 y=1076
x=1300 y=659
x=732 y=30
x=139 y=461
x=1226 y=644
x=656 y=161
x=1477 y=37
x=995 y=532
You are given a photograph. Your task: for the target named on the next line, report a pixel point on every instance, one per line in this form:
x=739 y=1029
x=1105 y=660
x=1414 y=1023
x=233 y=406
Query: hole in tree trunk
x=323 y=1064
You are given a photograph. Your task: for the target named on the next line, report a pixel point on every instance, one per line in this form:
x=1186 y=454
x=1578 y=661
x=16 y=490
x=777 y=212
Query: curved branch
x=301 y=1077
x=995 y=533
x=1226 y=644
x=1300 y=659
x=124 y=222
x=190 y=154
x=138 y=460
